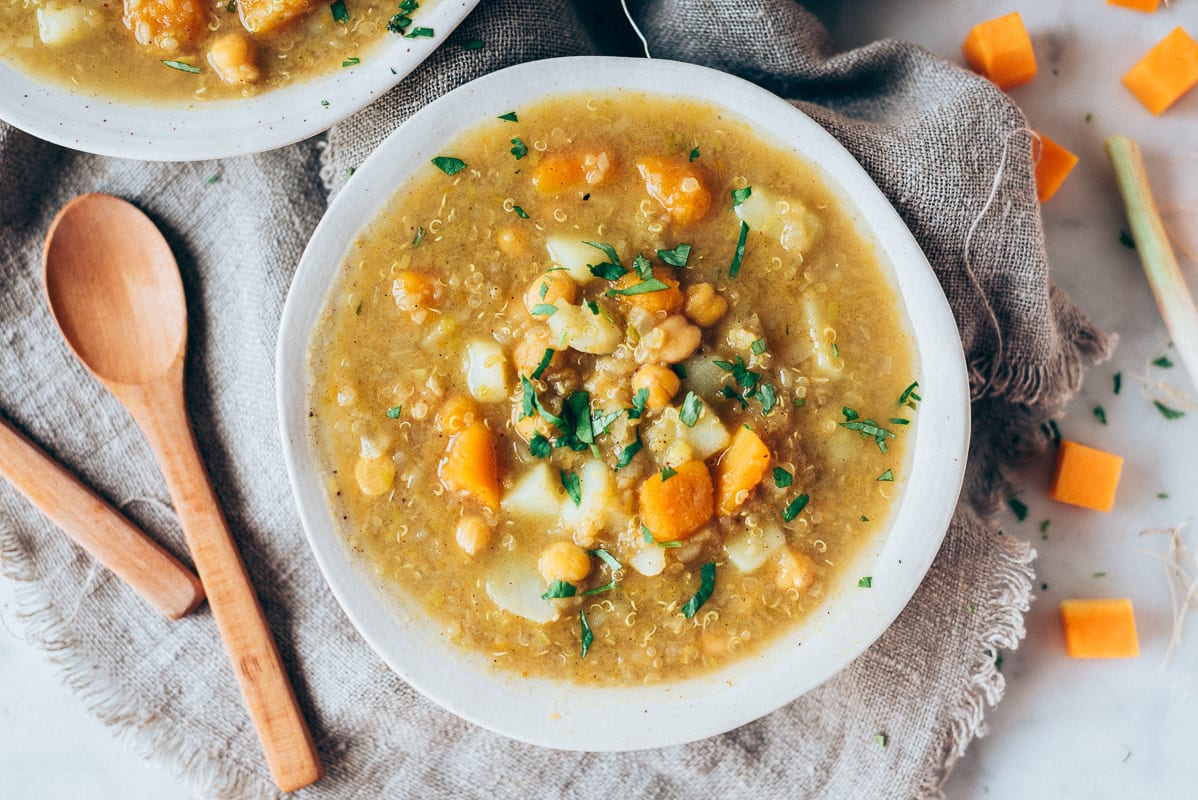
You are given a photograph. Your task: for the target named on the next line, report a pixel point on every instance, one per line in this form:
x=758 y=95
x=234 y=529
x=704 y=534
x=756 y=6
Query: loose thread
x=88 y=582
x=636 y=28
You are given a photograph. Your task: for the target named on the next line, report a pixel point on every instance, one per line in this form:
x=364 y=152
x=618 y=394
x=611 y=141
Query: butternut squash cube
x=675 y=507
x=1052 y=168
x=1168 y=71
x=1001 y=50
x=1100 y=628
x=264 y=16
x=1085 y=477
x=167 y=24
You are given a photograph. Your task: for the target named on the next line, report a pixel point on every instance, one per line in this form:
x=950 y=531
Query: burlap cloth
x=951 y=153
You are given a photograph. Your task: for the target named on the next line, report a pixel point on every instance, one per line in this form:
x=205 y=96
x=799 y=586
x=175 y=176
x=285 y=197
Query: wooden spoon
x=98 y=527
x=115 y=291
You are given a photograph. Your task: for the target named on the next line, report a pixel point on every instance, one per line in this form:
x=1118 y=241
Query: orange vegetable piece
x=1001 y=50
x=677 y=185
x=169 y=24
x=558 y=172
x=470 y=466
x=740 y=468
x=676 y=507
x=456 y=414
x=1168 y=71
x=1100 y=628
x=667 y=300
x=263 y=16
x=1147 y=6
x=1085 y=477
x=1052 y=168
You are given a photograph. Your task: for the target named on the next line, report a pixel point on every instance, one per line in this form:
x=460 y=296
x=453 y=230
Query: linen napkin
x=950 y=151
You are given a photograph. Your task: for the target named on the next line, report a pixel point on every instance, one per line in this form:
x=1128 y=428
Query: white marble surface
x=1067 y=729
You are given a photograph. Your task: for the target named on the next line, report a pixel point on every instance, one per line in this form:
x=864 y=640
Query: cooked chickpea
x=414 y=291
x=795 y=571
x=375 y=475
x=473 y=534
x=673 y=340
x=704 y=305
x=528 y=426
x=661 y=382
x=456 y=414
x=552 y=288
x=529 y=351
x=234 y=59
x=511 y=241
x=564 y=561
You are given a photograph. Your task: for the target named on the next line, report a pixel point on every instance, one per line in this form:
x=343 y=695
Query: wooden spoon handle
x=97 y=527
x=286 y=740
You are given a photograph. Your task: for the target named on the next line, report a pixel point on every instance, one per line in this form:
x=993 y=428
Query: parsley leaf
x=509 y=117
x=706 y=587
x=866 y=583
x=758 y=346
x=676 y=257
x=559 y=589
x=587 y=637
x=741 y=195
x=394 y=413
x=607 y=558
x=694 y=154
x=339 y=12
x=181 y=66
x=351 y=62
x=539 y=446
x=418 y=33
x=909 y=397
x=692 y=406
x=1017 y=506
x=1100 y=414
x=643 y=267
x=548 y=309
x=608 y=251
x=795 y=506
x=572 y=485
x=644 y=287
x=1118 y=382
x=739 y=255
x=888 y=475
x=419 y=237
x=520 y=212
x=782 y=478
x=1163 y=362
x=1166 y=412
x=520 y=150
x=449 y=165
x=630 y=451
x=668 y=473
x=639 y=398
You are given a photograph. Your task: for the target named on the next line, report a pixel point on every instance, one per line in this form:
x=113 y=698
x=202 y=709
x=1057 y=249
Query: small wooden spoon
x=115 y=291
x=98 y=527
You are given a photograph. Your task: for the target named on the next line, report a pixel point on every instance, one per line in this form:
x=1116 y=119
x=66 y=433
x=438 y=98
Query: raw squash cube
x=1052 y=168
x=1147 y=6
x=1085 y=477
x=1001 y=50
x=1100 y=628
x=1168 y=71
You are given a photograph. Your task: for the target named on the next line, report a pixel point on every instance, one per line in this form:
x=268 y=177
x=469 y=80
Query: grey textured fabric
x=951 y=152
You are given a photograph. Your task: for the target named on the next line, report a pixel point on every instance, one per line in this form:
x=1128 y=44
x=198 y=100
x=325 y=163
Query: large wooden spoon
x=115 y=291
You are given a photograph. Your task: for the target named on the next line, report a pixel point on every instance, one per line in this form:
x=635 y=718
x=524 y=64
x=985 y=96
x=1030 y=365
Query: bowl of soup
x=618 y=414
x=184 y=80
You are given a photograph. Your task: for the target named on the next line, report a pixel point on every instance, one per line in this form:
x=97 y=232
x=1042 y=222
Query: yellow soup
x=187 y=50
x=614 y=388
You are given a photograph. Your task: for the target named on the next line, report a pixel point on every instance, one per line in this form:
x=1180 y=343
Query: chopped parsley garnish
x=909 y=397
x=1018 y=506
x=679 y=370
x=1163 y=362
x=864 y=518
x=739 y=255
x=866 y=583
x=473 y=44
x=519 y=148
x=881 y=739
x=419 y=33
x=1126 y=240
x=694 y=154
x=575 y=422
x=324 y=103
x=1118 y=380
x=607 y=558
x=768 y=398
x=548 y=309
x=795 y=506
x=1162 y=495
x=741 y=195
x=689 y=412
x=601 y=422
x=866 y=427
x=339 y=12
x=608 y=251
x=850 y=414
x=668 y=473
x=543 y=364
x=644 y=287
x=782 y=478
x=419 y=237
x=1100 y=414
x=835 y=350
x=758 y=346
x=607 y=587
x=643 y=267
x=1099 y=574
x=1166 y=412
x=213 y=178
x=559 y=589
x=520 y=212
x=399 y=22
x=888 y=475
x=899 y=421
x=181 y=67
x=676 y=257
x=539 y=446
x=639 y=398
x=609 y=272
x=647 y=535
x=587 y=636
x=706 y=587
x=1044 y=525
x=509 y=117
x=352 y=61
x=449 y=165
x=631 y=450
x=573 y=486
x=394 y=413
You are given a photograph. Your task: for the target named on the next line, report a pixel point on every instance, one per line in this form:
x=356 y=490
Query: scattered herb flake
x=850 y=414
x=608 y=251
x=782 y=478
x=706 y=587
x=835 y=350
x=539 y=446
x=548 y=309
x=213 y=178
x=1044 y=525
x=909 y=396
x=1099 y=574
x=864 y=518
x=419 y=237
x=607 y=587
x=799 y=402
x=1089 y=117
x=866 y=583
x=679 y=370
x=1166 y=412
x=1126 y=240
x=473 y=44
x=543 y=364
x=639 y=398
x=758 y=346
x=352 y=61
x=644 y=287
x=795 y=506
x=394 y=413
x=449 y=165
x=676 y=257
x=1162 y=495
x=1100 y=414
x=646 y=534
x=559 y=589
x=631 y=450
x=691 y=407
x=739 y=255
x=520 y=212
x=741 y=195
x=519 y=148
x=899 y=421
x=607 y=558
x=888 y=475
x=881 y=739
x=768 y=397
x=573 y=486
x=1118 y=380
x=607 y=271
x=1163 y=362
x=182 y=67
x=1018 y=506
x=694 y=154
x=587 y=637
x=668 y=473
x=643 y=267
x=398 y=23
x=420 y=33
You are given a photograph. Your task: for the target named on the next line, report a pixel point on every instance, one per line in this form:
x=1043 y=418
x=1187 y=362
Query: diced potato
x=600 y=507
x=516 y=587
x=473 y=534
x=574 y=256
x=821 y=345
x=487 y=373
x=750 y=548
x=263 y=16
x=649 y=560
x=708 y=436
x=168 y=24
x=796 y=570
x=677 y=185
x=705 y=439
x=536 y=497
x=470 y=465
x=791 y=224
x=234 y=59
x=676 y=507
x=579 y=328
x=58 y=25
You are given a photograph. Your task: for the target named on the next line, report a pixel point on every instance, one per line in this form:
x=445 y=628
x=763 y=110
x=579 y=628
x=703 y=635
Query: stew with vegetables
x=188 y=50
x=614 y=388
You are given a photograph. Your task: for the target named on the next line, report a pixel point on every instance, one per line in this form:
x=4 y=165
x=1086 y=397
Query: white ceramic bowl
x=195 y=131
x=561 y=715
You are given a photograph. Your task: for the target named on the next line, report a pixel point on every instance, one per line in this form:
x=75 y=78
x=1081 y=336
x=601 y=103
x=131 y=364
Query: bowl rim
x=183 y=130
x=557 y=714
